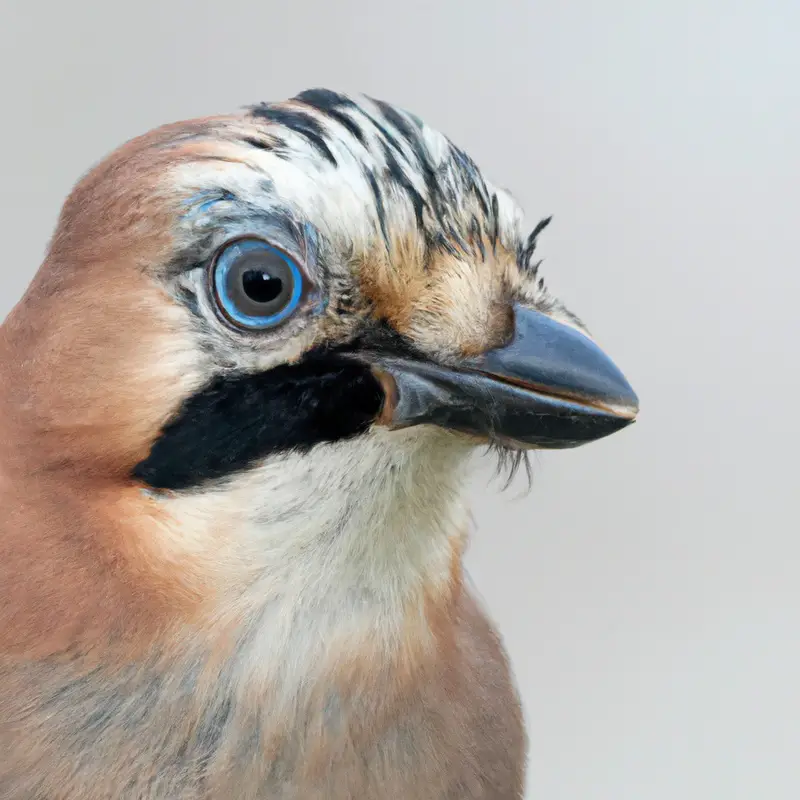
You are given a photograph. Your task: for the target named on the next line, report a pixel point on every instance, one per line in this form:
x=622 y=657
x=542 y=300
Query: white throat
x=347 y=537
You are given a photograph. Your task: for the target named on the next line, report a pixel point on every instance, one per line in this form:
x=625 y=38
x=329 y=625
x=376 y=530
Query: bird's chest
x=159 y=739
x=370 y=729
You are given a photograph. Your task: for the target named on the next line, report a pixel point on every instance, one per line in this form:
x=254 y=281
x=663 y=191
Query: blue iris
x=256 y=285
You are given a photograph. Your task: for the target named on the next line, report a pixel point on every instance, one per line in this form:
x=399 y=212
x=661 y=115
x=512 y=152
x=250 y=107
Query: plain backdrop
x=647 y=587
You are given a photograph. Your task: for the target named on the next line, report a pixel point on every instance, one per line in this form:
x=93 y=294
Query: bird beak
x=551 y=386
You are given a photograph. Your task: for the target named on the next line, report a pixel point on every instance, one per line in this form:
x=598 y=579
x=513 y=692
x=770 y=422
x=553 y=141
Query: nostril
x=507 y=325
x=493 y=329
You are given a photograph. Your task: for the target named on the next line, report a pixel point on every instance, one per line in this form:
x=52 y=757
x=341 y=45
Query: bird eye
x=255 y=285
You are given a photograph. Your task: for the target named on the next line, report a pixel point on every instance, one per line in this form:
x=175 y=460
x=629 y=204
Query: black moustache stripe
x=238 y=420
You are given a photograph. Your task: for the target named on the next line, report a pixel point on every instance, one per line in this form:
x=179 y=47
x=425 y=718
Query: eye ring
x=255 y=285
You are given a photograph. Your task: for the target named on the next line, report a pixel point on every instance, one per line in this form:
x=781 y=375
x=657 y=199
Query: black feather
x=297 y=121
x=528 y=248
x=237 y=420
x=331 y=103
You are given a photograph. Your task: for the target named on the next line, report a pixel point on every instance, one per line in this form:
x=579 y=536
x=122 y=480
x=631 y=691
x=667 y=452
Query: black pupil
x=260 y=286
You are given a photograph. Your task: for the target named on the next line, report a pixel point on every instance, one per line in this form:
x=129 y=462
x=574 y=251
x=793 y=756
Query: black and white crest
x=404 y=161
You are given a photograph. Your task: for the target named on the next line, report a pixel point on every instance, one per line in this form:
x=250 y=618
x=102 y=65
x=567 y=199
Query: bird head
x=253 y=332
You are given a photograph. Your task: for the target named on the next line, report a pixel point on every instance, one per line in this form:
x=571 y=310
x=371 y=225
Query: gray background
x=647 y=587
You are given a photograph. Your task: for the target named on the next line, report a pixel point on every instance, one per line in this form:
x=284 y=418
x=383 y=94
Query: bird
x=239 y=405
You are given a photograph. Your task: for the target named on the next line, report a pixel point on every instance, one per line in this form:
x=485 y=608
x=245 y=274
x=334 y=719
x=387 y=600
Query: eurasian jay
x=238 y=405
